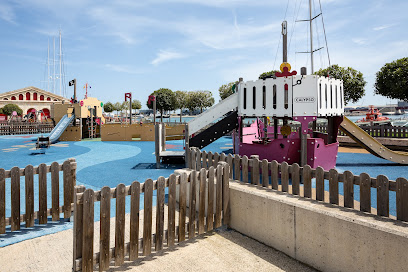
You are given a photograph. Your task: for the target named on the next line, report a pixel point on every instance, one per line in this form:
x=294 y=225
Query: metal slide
x=371 y=144
x=60 y=128
x=215 y=112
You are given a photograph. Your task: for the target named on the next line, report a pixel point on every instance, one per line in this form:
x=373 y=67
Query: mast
x=311 y=36
x=48 y=67
x=60 y=63
x=53 y=66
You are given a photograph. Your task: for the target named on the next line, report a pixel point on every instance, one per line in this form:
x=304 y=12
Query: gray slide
x=60 y=128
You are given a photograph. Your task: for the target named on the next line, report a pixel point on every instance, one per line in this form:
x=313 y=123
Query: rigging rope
x=324 y=31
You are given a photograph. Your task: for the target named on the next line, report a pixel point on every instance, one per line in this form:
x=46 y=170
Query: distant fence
x=251 y=170
x=14 y=128
x=376 y=131
x=210 y=189
x=69 y=176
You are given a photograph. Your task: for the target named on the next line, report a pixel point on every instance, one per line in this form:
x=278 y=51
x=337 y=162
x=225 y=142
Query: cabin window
x=28 y=96
x=274 y=96
x=264 y=97
x=331 y=96
x=341 y=97
x=320 y=94
x=20 y=97
x=325 y=93
x=41 y=97
x=336 y=97
x=48 y=98
x=245 y=98
x=286 y=98
x=34 y=96
x=13 y=98
x=254 y=97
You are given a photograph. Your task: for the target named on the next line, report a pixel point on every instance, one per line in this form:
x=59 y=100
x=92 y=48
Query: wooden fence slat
x=218 y=199
x=402 y=199
x=182 y=207
x=68 y=186
x=2 y=201
x=193 y=159
x=285 y=176
x=198 y=159
x=88 y=231
x=15 y=198
x=78 y=224
x=244 y=166
x=210 y=158
x=204 y=159
x=365 y=192
x=201 y=206
x=120 y=224
x=237 y=167
x=147 y=223
x=192 y=205
x=348 y=189
x=223 y=157
x=216 y=159
x=265 y=173
x=334 y=186
x=225 y=195
x=104 y=240
x=295 y=179
x=172 y=211
x=42 y=184
x=274 y=175
x=255 y=171
x=383 y=196
x=319 y=184
x=307 y=181
x=134 y=220
x=230 y=160
x=160 y=212
x=210 y=207
x=55 y=191
x=29 y=195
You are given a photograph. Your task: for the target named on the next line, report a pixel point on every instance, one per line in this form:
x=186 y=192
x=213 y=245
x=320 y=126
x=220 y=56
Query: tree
x=353 y=81
x=165 y=101
x=392 y=80
x=108 y=107
x=9 y=108
x=199 y=100
x=227 y=89
x=136 y=105
x=117 y=107
x=268 y=74
x=181 y=101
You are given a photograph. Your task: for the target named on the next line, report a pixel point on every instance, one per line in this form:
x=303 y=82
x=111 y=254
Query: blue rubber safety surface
x=111 y=163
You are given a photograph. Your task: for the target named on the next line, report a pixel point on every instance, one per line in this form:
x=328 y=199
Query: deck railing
x=297 y=180
x=210 y=189
x=15 y=128
x=13 y=177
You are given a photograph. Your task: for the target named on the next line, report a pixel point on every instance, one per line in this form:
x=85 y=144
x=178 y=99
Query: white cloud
x=359 y=41
x=122 y=69
x=164 y=56
x=7 y=13
x=382 y=27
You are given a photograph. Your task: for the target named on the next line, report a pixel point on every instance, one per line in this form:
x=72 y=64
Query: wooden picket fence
x=69 y=179
x=292 y=178
x=207 y=188
x=15 y=128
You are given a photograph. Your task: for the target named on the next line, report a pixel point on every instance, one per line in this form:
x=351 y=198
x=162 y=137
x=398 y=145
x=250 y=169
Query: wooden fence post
x=88 y=231
x=192 y=204
x=319 y=184
x=307 y=181
x=15 y=199
x=147 y=224
x=383 y=202
x=160 y=213
x=265 y=173
x=255 y=171
x=285 y=176
x=104 y=239
x=201 y=200
x=244 y=166
x=210 y=207
x=334 y=186
x=120 y=224
x=2 y=201
x=42 y=190
x=225 y=194
x=134 y=220
x=348 y=184
x=230 y=159
x=182 y=207
x=67 y=174
x=402 y=199
x=55 y=191
x=365 y=193
x=29 y=195
x=218 y=200
x=274 y=174
x=295 y=179
x=78 y=224
x=237 y=167
x=172 y=211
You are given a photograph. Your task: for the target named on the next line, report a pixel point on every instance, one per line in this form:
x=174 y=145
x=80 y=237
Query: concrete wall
x=323 y=236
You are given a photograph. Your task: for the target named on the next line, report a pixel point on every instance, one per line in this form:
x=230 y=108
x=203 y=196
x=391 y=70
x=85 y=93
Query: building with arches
x=32 y=99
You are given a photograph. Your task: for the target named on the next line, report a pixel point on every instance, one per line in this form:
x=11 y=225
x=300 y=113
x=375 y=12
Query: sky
x=141 y=46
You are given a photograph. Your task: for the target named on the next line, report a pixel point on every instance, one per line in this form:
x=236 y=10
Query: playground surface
x=110 y=163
